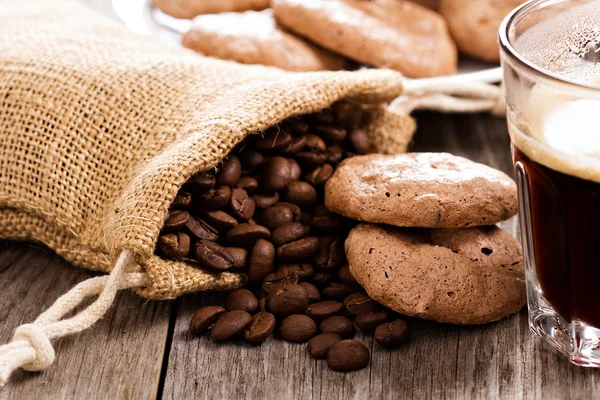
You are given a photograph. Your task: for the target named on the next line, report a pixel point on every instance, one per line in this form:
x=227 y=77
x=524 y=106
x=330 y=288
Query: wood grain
x=120 y=357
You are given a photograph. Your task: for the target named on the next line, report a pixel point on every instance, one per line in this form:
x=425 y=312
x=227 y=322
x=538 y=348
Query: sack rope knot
x=31 y=347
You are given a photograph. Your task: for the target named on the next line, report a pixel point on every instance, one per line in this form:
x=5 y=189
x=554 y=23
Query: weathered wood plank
x=120 y=357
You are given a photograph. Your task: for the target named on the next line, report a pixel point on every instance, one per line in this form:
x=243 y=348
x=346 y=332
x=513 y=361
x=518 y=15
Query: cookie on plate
x=252 y=37
x=427 y=190
x=188 y=9
x=384 y=33
x=474 y=24
x=459 y=276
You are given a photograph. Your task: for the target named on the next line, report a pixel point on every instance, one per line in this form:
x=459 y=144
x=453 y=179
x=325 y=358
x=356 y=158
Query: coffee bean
x=241 y=206
x=313 y=293
x=334 y=154
x=332 y=134
x=265 y=201
x=213 y=256
x=204 y=318
x=323 y=117
x=277 y=174
x=360 y=141
x=291 y=299
x=347 y=115
x=274 y=139
x=200 y=183
x=182 y=201
x=174 y=245
x=297 y=328
x=324 y=309
x=361 y=304
x=301 y=193
x=260 y=328
x=262 y=304
x=295 y=170
x=322 y=279
x=320 y=175
x=176 y=221
x=275 y=216
x=368 y=322
x=339 y=325
x=241 y=299
x=246 y=235
x=330 y=255
x=248 y=183
x=298 y=250
x=314 y=143
x=289 y=232
x=230 y=172
x=339 y=291
x=230 y=324
x=297 y=126
x=296 y=211
x=240 y=256
x=348 y=355
x=306 y=218
x=277 y=281
x=311 y=159
x=319 y=346
x=201 y=230
x=251 y=159
x=214 y=199
x=345 y=276
x=296 y=145
x=391 y=334
x=328 y=224
x=219 y=220
x=302 y=271
x=261 y=262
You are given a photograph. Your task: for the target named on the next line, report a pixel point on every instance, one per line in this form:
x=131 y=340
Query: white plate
x=139 y=17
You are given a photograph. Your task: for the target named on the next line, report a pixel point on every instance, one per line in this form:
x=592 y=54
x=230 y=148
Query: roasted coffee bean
x=214 y=199
x=330 y=255
x=295 y=170
x=315 y=143
x=323 y=117
x=297 y=126
x=240 y=256
x=296 y=211
x=241 y=205
x=311 y=159
x=200 y=183
x=324 y=309
x=339 y=325
x=182 y=201
x=301 y=193
x=328 y=224
x=219 y=220
x=360 y=141
x=176 y=221
x=347 y=115
x=230 y=324
x=319 y=346
x=289 y=232
x=332 y=134
x=339 y=291
x=368 y=322
x=265 y=201
x=204 y=318
x=306 y=218
x=277 y=281
x=275 y=216
x=213 y=256
x=320 y=210
x=174 y=245
x=361 y=304
x=230 y=172
x=241 y=299
x=298 y=250
x=334 y=154
x=322 y=279
x=291 y=299
x=345 y=276
x=248 y=183
x=246 y=235
x=302 y=271
x=274 y=139
x=276 y=175
x=296 y=145
x=391 y=334
x=262 y=261
x=201 y=230
x=297 y=328
x=251 y=159
x=260 y=328
x=348 y=355
x=320 y=175
x=313 y=293
x=262 y=304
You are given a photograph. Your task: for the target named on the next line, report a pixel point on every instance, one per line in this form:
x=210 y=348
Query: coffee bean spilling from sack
x=262 y=213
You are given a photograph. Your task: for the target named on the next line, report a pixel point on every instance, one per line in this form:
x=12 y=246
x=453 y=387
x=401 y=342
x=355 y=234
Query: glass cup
x=550 y=52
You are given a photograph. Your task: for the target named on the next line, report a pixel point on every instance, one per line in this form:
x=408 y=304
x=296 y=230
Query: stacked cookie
x=429 y=247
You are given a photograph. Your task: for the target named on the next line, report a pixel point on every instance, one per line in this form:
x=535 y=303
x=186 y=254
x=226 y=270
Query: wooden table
x=141 y=349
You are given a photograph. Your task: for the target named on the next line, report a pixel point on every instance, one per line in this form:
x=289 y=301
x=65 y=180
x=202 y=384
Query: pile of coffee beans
x=263 y=213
